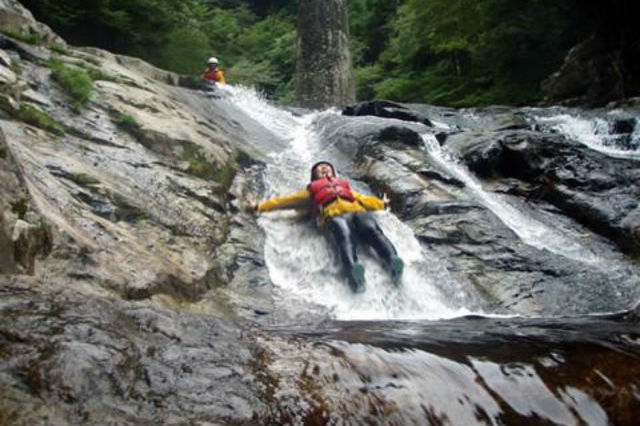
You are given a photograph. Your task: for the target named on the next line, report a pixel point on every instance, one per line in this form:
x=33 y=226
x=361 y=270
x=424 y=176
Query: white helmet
x=212 y=60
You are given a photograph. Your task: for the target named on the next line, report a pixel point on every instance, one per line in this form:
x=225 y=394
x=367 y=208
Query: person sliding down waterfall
x=344 y=216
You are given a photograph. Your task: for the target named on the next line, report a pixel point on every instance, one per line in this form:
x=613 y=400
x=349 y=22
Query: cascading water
x=460 y=371
x=307 y=273
x=300 y=261
x=530 y=231
x=597 y=132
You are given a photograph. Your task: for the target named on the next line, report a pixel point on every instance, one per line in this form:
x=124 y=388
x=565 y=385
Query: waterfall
x=594 y=132
x=530 y=231
x=301 y=263
x=307 y=273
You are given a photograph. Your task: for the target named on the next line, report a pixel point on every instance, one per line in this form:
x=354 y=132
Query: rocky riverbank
x=134 y=290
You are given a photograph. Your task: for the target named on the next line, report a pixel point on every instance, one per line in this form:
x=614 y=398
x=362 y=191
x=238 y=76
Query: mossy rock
x=202 y=167
x=129 y=124
x=29 y=114
x=75 y=82
x=83 y=179
x=20 y=207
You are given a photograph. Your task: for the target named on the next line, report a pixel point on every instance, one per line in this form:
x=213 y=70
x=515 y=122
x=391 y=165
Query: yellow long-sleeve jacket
x=302 y=199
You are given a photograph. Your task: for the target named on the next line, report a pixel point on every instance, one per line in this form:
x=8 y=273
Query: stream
x=430 y=351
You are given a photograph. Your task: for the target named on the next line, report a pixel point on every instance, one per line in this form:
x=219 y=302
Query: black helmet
x=333 y=169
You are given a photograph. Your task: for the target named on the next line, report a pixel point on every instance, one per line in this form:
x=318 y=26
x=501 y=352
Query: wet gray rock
x=134 y=285
x=68 y=359
x=15 y=18
x=597 y=190
x=474 y=244
x=386 y=109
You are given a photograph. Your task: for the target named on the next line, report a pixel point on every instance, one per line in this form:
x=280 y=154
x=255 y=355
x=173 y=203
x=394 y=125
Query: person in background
x=345 y=217
x=212 y=72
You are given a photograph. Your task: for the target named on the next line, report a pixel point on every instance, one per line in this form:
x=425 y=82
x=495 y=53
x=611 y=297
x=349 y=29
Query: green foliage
x=367 y=78
x=97 y=74
x=59 y=48
x=202 y=167
x=129 y=124
x=465 y=52
x=185 y=50
x=75 y=82
x=224 y=175
x=258 y=53
x=32 y=115
x=453 y=52
x=29 y=36
x=254 y=40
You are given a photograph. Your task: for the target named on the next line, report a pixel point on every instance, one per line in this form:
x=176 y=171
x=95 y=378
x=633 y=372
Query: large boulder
x=599 y=191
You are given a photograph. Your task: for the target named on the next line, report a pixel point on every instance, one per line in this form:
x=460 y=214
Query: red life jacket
x=213 y=74
x=324 y=191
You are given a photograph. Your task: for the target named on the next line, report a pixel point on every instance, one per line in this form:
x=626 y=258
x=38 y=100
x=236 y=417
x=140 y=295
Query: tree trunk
x=324 y=76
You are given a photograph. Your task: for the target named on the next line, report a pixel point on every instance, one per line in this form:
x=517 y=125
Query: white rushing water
x=593 y=132
x=530 y=230
x=306 y=271
x=300 y=261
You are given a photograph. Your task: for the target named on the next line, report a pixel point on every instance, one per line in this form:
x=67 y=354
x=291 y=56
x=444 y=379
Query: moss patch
x=29 y=36
x=98 y=74
x=83 y=179
x=20 y=207
x=32 y=115
x=3 y=153
x=129 y=124
x=203 y=168
x=224 y=175
x=59 y=48
x=75 y=82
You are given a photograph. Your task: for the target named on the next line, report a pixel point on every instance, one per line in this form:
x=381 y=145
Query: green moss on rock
x=20 y=207
x=83 y=179
x=36 y=117
x=75 y=82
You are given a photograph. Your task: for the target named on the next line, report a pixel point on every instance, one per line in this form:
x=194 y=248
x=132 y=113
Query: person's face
x=212 y=66
x=323 y=171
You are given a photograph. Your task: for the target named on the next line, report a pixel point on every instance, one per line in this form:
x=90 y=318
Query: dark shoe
x=396 y=266
x=356 y=278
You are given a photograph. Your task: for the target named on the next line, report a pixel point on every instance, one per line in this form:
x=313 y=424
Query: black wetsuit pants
x=347 y=230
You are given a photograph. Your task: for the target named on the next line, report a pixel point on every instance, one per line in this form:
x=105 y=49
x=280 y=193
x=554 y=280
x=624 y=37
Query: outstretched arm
x=296 y=200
